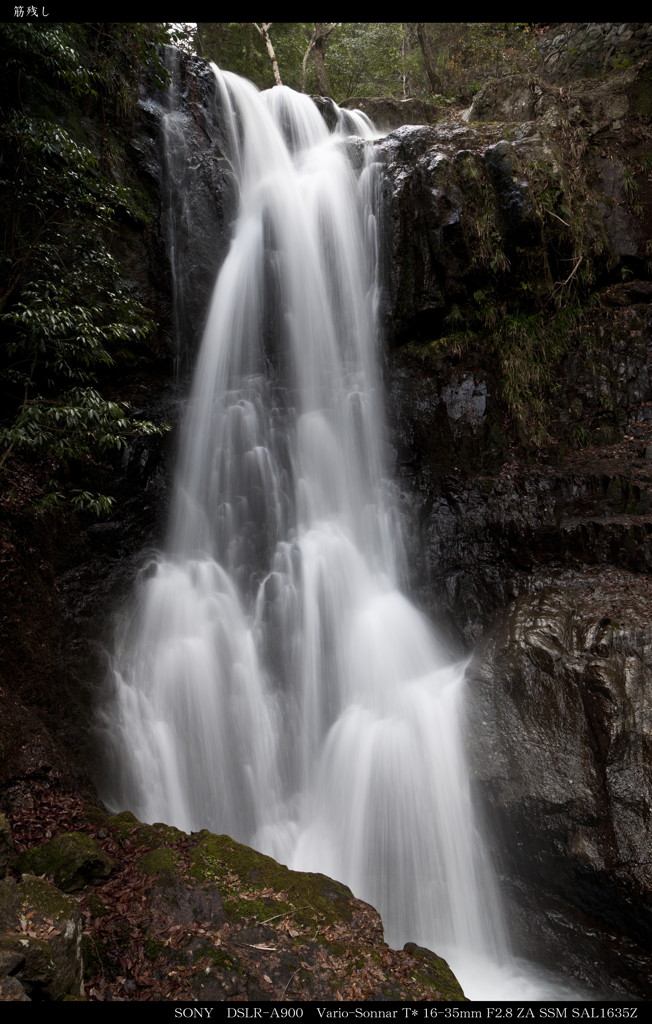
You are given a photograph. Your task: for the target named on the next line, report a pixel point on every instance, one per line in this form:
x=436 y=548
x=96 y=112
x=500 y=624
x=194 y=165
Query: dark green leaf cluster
x=75 y=424
x=66 y=314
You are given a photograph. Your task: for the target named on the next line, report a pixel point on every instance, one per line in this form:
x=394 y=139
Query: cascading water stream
x=272 y=681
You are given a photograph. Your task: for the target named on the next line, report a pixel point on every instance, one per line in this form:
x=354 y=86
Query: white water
x=272 y=681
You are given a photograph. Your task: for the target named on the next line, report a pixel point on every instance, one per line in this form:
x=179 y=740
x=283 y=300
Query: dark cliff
x=519 y=384
x=518 y=325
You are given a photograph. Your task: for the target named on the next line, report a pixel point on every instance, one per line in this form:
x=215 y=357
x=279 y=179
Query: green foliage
x=528 y=348
x=375 y=58
x=239 y=47
x=529 y=280
x=467 y=54
x=73 y=425
x=525 y=349
x=46 y=55
x=65 y=312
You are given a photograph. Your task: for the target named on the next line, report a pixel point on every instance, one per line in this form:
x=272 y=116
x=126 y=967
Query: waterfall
x=271 y=680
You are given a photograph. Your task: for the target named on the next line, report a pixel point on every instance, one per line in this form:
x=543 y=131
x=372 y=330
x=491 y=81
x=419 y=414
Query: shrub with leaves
x=65 y=311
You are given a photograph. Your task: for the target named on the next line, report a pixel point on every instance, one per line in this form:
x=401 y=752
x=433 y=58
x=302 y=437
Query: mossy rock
x=262 y=909
x=433 y=969
x=95 y=815
x=122 y=825
x=43 y=925
x=126 y=826
x=239 y=872
x=97 y=906
x=158 y=861
x=158 y=834
x=253 y=903
x=72 y=860
x=31 y=894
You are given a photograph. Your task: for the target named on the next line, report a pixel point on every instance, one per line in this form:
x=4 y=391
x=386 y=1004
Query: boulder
x=221 y=921
x=40 y=941
x=72 y=860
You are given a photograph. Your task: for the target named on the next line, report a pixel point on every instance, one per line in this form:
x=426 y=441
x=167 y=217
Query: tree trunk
x=264 y=28
x=427 y=49
x=304 y=62
x=316 y=47
x=322 y=32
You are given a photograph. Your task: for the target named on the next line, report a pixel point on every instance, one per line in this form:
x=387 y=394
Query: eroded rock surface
x=523 y=454
x=560 y=698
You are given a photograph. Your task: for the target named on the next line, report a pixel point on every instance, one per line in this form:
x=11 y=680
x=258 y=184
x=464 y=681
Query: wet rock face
x=484 y=519
x=560 y=709
x=491 y=208
x=540 y=553
x=180 y=148
x=460 y=221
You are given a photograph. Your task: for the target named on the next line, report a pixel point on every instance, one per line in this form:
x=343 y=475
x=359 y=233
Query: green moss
x=261 y=909
x=97 y=906
x=223 y=961
x=155 y=835
x=95 y=815
x=433 y=971
x=155 y=862
x=72 y=860
x=93 y=957
x=126 y=826
x=122 y=825
x=37 y=894
x=235 y=868
x=154 y=948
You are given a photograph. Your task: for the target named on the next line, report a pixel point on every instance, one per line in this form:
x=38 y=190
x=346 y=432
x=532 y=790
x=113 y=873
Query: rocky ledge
x=151 y=913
